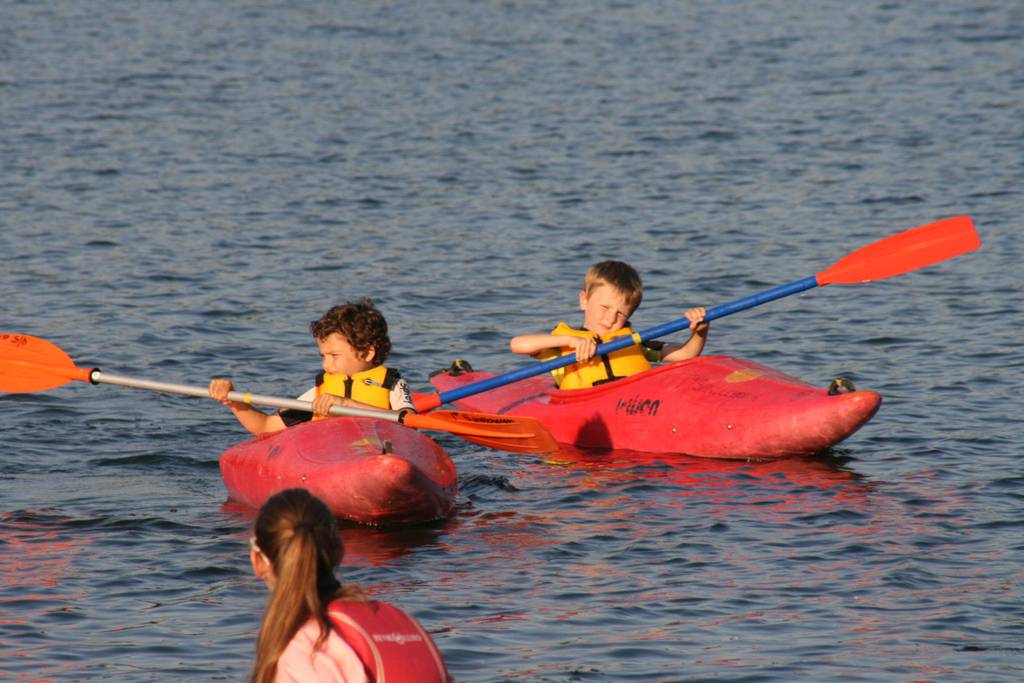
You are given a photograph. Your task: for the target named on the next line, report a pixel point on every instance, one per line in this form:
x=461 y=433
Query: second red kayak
x=366 y=470
x=711 y=406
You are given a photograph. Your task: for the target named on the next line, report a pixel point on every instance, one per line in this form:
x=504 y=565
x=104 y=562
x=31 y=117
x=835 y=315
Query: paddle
x=894 y=255
x=32 y=364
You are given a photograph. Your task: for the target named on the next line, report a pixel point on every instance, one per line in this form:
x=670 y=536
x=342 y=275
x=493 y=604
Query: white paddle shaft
x=239 y=396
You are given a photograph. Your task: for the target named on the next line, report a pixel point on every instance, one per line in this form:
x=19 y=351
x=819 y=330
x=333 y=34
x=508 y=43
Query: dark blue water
x=185 y=185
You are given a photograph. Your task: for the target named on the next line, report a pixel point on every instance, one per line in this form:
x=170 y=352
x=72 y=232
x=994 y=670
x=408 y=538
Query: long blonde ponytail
x=298 y=535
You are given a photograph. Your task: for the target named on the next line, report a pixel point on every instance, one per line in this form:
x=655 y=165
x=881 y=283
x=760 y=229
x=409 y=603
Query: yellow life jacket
x=372 y=386
x=600 y=369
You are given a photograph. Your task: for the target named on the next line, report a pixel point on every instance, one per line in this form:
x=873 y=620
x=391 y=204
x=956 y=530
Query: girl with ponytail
x=295 y=550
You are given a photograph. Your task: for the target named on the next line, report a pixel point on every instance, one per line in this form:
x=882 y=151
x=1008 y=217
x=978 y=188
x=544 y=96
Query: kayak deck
x=710 y=406
x=366 y=470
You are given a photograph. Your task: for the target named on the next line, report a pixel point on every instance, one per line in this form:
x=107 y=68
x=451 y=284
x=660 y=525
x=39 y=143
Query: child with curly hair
x=353 y=342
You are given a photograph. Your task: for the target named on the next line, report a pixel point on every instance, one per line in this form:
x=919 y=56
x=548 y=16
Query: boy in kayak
x=611 y=292
x=354 y=343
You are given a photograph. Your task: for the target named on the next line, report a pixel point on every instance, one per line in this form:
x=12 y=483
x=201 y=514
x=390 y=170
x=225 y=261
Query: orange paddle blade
x=906 y=251
x=502 y=432
x=32 y=364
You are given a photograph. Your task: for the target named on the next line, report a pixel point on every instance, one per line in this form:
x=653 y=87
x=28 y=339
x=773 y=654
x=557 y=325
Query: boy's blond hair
x=619 y=275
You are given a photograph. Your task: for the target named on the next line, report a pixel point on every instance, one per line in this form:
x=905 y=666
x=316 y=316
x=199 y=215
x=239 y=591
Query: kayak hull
x=366 y=470
x=710 y=406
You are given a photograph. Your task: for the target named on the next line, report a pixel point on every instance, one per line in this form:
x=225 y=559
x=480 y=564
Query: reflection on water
x=566 y=504
x=738 y=556
x=38 y=553
x=689 y=480
x=822 y=470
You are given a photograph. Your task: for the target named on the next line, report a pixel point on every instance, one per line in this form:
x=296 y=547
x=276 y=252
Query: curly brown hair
x=360 y=323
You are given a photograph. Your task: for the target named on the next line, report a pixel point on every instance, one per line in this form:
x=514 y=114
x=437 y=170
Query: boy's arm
x=255 y=421
x=672 y=353
x=530 y=344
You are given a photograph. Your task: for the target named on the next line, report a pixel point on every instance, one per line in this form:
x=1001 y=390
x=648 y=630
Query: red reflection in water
x=35 y=558
x=704 y=473
x=775 y=487
x=579 y=497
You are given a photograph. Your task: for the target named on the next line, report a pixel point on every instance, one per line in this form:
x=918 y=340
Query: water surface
x=184 y=186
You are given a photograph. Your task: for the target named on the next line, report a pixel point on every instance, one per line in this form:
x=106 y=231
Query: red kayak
x=366 y=470
x=710 y=406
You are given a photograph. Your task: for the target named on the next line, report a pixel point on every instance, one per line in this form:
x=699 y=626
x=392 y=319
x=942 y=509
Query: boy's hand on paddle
x=696 y=317
x=583 y=346
x=219 y=390
x=323 y=403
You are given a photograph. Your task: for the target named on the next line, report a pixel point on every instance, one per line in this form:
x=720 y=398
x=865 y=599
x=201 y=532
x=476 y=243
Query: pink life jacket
x=393 y=646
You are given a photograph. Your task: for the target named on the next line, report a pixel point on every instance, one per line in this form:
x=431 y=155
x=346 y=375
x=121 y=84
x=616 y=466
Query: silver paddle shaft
x=98 y=377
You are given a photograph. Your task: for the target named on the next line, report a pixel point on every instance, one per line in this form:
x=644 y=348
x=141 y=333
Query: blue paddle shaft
x=713 y=313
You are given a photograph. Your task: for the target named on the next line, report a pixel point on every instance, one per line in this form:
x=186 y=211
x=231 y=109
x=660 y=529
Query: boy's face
x=605 y=310
x=339 y=358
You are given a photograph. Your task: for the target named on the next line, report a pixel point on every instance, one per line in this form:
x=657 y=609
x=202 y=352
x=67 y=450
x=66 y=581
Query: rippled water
x=184 y=186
